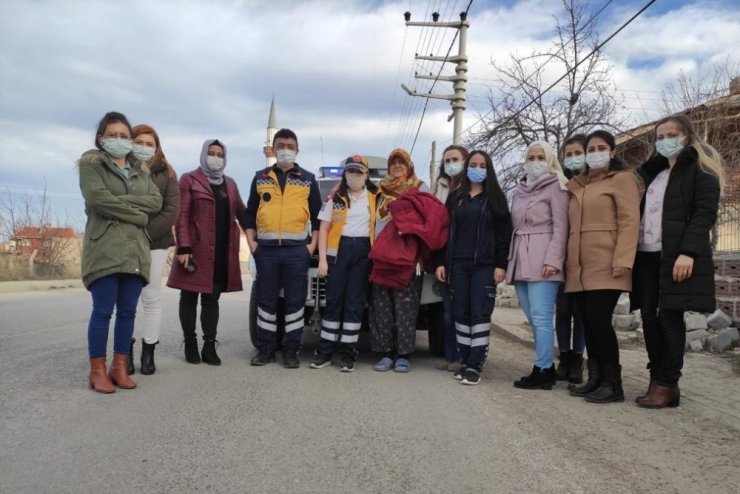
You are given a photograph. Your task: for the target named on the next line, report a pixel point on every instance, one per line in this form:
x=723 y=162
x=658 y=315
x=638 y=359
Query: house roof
x=44 y=232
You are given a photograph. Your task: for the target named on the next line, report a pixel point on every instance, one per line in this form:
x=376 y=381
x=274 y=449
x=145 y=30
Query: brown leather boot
x=98 y=379
x=118 y=372
x=650 y=389
x=661 y=397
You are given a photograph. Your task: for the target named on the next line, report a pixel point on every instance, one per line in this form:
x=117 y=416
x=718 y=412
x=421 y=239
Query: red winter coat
x=419 y=225
x=196 y=234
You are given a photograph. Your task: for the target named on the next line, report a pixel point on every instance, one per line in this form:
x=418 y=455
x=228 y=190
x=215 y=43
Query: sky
x=196 y=70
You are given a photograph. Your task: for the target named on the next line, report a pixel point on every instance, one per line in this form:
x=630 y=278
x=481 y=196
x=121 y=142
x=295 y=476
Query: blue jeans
x=565 y=312
x=451 y=352
x=122 y=292
x=537 y=299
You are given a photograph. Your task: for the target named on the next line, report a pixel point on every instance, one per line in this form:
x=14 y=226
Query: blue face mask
x=116 y=147
x=476 y=175
x=575 y=163
x=669 y=146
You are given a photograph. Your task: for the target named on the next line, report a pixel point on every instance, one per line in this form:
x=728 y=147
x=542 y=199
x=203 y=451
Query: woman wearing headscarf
x=674 y=271
x=539 y=214
x=119 y=197
x=604 y=220
x=146 y=147
x=394 y=310
x=207 y=255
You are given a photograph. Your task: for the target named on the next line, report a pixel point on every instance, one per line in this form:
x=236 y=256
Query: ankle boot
x=118 y=374
x=610 y=389
x=208 y=355
x=575 y=368
x=191 y=350
x=537 y=379
x=661 y=397
x=650 y=389
x=594 y=380
x=130 y=358
x=563 y=365
x=98 y=379
x=147 y=358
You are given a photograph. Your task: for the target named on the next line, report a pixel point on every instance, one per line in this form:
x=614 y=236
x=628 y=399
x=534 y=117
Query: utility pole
x=433 y=167
x=457 y=99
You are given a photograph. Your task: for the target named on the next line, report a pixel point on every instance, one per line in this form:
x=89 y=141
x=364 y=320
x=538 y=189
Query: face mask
x=535 y=169
x=453 y=168
x=285 y=157
x=575 y=163
x=476 y=175
x=355 y=181
x=598 y=160
x=116 y=147
x=143 y=153
x=215 y=163
x=669 y=146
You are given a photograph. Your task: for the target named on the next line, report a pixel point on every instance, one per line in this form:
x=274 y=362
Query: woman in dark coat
x=674 y=271
x=207 y=255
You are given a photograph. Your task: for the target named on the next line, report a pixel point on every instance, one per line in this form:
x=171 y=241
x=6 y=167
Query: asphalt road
x=237 y=428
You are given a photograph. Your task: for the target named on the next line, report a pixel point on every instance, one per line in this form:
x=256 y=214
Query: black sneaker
x=458 y=375
x=470 y=377
x=290 y=359
x=320 y=362
x=347 y=365
x=263 y=357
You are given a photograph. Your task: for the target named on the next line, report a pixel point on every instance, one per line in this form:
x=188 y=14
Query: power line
x=426 y=100
x=596 y=49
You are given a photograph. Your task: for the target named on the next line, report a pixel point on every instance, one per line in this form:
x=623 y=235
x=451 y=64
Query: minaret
x=272 y=128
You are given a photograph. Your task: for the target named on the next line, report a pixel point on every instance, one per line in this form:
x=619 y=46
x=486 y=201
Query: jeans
x=150 y=320
x=595 y=308
x=451 y=352
x=565 y=313
x=664 y=330
x=122 y=292
x=537 y=299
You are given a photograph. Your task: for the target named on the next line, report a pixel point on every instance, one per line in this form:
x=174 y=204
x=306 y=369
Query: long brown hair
x=159 y=156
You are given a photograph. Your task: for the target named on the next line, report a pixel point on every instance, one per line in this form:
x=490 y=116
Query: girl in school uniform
x=345 y=236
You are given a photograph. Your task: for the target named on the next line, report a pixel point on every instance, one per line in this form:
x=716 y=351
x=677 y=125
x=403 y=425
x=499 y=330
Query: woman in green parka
x=119 y=197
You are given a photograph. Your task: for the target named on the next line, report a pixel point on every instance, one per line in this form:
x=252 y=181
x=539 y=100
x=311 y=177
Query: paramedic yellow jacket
x=339 y=216
x=282 y=204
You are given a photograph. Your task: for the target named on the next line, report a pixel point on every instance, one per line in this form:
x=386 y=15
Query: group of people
x=573 y=241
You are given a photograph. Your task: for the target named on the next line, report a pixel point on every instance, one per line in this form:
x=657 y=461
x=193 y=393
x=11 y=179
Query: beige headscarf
x=552 y=161
x=390 y=187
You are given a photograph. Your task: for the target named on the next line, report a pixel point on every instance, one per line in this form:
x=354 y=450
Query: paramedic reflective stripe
x=266 y=321
x=330 y=324
x=282 y=235
x=332 y=252
x=352 y=326
x=294 y=321
x=350 y=338
x=266 y=315
x=329 y=336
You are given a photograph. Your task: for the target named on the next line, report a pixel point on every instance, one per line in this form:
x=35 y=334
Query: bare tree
x=583 y=100
x=31 y=234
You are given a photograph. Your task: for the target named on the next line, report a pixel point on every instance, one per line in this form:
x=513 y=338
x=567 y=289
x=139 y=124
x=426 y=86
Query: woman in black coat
x=674 y=271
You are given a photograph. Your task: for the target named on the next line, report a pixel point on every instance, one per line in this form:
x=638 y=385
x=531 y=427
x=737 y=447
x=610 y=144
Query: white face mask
x=355 y=181
x=575 y=163
x=598 y=159
x=285 y=157
x=535 y=169
x=215 y=163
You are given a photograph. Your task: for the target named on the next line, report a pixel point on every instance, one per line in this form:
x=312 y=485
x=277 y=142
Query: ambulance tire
x=436 y=329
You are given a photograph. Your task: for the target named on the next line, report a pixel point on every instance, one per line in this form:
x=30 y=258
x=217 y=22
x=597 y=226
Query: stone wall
x=727 y=284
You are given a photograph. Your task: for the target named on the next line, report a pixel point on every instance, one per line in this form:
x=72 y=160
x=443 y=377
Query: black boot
x=610 y=389
x=208 y=355
x=538 y=379
x=575 y=368
x=594 y=380
x=130 y=369
x=147 y=358
x=563 y=365
x=191 y=350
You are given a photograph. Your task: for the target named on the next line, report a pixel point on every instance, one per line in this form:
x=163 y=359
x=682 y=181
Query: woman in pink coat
x=539 y=214
x=207 y=255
